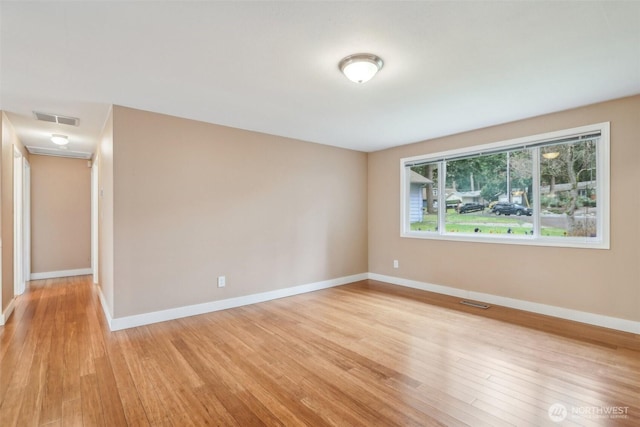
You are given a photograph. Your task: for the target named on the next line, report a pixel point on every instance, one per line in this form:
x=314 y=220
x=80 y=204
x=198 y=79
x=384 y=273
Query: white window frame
x=601 y=241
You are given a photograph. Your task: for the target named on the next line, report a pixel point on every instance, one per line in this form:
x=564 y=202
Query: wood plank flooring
x=364 y=354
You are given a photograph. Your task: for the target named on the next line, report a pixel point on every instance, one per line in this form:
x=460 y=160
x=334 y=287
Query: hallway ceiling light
x=59 y=139
x=360 y=67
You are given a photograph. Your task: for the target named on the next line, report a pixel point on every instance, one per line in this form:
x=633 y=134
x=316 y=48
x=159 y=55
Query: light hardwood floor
x=364 y=354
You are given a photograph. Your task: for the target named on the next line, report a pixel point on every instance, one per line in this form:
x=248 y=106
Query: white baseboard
x=60 y=273
x=118 y=323
x=549 y=310
x=4 y=318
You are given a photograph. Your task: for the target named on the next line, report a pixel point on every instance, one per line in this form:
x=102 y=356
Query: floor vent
x=54 y=118
x=475 y=304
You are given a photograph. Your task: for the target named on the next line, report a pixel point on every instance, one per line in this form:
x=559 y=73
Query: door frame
x=94 y=222
x=18 y=223
x=26 y=222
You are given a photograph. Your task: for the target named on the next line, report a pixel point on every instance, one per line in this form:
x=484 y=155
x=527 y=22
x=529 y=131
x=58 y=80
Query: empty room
x=312 y=213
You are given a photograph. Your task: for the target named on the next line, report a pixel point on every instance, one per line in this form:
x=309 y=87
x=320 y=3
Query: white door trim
x=94 y=221
x=26 y=224
x=18 y=219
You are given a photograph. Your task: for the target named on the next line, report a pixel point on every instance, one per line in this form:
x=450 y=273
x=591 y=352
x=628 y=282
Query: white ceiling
x=273 y=66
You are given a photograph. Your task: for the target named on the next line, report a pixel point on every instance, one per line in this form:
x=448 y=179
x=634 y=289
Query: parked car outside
x=505 y=208
x=470 y=207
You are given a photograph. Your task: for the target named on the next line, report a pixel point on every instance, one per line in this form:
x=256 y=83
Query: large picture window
x=550 y=189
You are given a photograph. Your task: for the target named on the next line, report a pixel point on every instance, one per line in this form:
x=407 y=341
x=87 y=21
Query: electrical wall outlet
x=222 y=281
x=395 y=263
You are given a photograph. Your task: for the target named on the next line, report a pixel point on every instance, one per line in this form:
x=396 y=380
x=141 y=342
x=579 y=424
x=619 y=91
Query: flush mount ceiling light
x=361 y=67
x=551 y=155
x=59 y=139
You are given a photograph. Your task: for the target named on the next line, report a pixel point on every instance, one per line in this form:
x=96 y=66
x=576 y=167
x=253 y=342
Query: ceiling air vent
x=59 y=153
x=54 y=118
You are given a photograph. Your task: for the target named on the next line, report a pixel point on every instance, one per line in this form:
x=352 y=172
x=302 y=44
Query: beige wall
x=9 y=141
x=60 y=214
x=193 y=201
x=104 y=159
x=605 y=282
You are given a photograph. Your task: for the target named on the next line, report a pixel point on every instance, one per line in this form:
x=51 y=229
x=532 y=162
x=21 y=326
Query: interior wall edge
x=4 y=317
x=105 y=307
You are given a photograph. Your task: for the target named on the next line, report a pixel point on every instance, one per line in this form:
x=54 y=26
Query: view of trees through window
x=568 y=186
x=494 y=193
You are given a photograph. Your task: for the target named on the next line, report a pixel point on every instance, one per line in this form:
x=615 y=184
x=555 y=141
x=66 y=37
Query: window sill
x=565 y=242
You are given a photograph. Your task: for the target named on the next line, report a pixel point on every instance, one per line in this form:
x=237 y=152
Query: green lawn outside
x=492 y=224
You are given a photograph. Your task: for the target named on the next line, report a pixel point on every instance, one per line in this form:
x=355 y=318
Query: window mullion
x=535 y=178
x=442 y=196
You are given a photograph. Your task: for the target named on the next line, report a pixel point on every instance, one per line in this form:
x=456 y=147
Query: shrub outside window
x=550 y=189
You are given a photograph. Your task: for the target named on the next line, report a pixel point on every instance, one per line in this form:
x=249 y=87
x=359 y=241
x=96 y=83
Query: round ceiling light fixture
x=360 y=67
x=59 y=139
